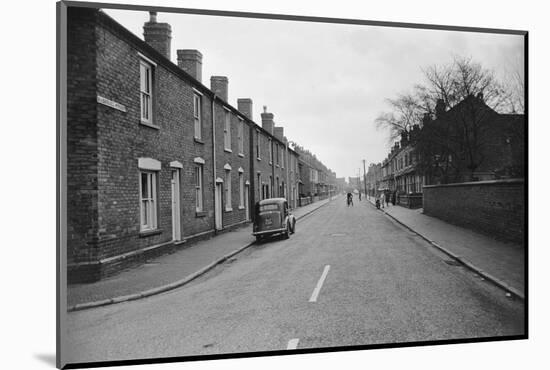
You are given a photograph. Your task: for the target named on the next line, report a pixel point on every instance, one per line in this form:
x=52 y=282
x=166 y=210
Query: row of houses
x=478 y=144
x=154 y=157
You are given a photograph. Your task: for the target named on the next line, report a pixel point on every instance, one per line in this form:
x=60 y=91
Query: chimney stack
x=245 y=107
x=218 y=84
x=191 y=62
x=267 y=121
x=278 y=132
x=158 y=35
x=439 y=108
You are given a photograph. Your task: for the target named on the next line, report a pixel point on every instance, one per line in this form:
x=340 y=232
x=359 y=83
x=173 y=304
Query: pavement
x=169 y=271
x=501 y=262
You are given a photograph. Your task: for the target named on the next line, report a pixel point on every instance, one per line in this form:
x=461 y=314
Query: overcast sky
x=325 y=83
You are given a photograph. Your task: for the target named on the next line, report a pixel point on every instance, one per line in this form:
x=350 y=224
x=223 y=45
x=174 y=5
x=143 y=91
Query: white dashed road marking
x=319 y=284
x=293 y=343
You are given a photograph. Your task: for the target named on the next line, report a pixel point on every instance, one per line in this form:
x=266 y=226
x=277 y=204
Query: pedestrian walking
x=387 y=197
x=350 y=199
x=359 y=196
x=382 y=199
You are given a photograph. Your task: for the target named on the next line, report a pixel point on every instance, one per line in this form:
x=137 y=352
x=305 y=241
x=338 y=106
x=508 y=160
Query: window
x=146 y=88
x=241 y=190
x=240 y=136
x=228 y=190
x=148 y=200
x=198 y=188
x=258 y=145
x=227 y=131
x=277 y=153
x=283 y=157
x=197 y=114
x=269 y=147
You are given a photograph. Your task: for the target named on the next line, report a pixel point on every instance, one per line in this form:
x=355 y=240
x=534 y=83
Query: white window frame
x=227 y=183
x=148 y=204
x=240 y=137
x=241 y=189
x=277 y=157
x=146 y=91
x=199 y=187
x=197 y=116
x=227 y=131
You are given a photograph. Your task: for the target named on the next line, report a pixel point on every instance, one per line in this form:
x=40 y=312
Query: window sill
x=229 y=210
x=146 y=233
x=227 y=150
x=241 y=155
x=200 y=213
x=241 y=207
x=149 y=124
x=258 y=158
x=197 y=140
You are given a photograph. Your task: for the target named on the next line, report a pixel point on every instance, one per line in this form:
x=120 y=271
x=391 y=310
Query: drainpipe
x=286 y=170
x=214 y=160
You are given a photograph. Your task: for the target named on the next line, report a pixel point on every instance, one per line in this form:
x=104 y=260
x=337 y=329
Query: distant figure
x=387 y=200
x=382 y=199
x=359 y=196
x=350 y=199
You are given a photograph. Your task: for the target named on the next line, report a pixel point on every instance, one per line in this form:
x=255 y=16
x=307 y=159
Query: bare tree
x=405 y=111
x=463 y=97
x=514 y=83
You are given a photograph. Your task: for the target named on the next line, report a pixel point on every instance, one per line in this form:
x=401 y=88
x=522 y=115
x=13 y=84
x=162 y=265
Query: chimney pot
x=153 y=17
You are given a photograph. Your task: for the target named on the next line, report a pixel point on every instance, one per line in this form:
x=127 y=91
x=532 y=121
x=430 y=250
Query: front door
x=176 y=228
x=218 y=206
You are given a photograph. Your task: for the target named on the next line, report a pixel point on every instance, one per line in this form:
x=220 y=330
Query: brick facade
x=105 y=145
x=114 y=152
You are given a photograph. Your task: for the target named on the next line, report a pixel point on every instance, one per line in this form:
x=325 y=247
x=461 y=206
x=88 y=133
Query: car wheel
x=294 y=227
x=286 y=232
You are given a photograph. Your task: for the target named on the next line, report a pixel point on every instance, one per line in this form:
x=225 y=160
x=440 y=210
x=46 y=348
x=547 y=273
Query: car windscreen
x=269 y=207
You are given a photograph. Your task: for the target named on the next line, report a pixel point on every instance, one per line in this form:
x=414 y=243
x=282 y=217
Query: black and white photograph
x=247 y=184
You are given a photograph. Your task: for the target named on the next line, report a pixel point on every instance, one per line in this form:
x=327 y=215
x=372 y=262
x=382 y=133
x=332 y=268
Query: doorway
x=218 y=205
x=246 y=202
x=176 y=209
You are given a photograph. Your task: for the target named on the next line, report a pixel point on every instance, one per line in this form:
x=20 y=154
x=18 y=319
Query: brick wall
x=82 y=140
x=105 y=145
x=491 y=207
x=123 y=139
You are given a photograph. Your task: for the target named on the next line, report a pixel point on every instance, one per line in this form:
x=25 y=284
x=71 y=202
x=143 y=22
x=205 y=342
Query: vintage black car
x=272 y=216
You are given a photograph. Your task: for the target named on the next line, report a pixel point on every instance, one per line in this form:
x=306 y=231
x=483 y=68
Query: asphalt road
x=349 y=276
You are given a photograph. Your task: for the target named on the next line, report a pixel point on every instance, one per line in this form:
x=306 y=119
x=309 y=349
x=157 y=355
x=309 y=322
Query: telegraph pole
x=365 y=177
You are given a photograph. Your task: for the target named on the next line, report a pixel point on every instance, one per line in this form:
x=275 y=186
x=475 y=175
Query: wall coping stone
x=471 y=183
